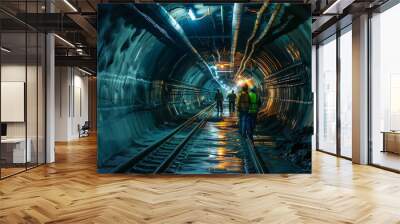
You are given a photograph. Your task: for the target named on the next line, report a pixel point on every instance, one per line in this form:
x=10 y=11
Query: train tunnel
x=161 y=64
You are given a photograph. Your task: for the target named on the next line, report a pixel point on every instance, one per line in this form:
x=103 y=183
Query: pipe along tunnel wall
x=152 y=75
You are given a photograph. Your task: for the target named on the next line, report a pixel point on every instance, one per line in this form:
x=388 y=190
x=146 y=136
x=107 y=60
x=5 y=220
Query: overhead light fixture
x=333 y=6
x=70 y=5
x=84 y=71
x=5 y=50
x=191 y=14
x=65 y=41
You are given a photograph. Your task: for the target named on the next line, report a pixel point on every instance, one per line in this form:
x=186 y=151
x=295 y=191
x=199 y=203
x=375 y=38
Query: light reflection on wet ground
x=218 y=148
x=215 y=149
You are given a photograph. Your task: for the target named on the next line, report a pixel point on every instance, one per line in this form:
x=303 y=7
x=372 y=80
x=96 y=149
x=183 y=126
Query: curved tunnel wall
x=288 y=78
x=144 y=82
x=148 y=76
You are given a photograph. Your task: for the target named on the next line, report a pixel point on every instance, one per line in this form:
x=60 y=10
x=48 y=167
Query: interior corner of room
x=71 y=107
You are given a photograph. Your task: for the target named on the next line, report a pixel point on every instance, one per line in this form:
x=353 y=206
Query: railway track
x=164 y=155
x=157 y=157
x=254 y=163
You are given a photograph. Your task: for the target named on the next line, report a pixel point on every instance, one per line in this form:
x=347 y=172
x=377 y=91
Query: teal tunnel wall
x=152 y=68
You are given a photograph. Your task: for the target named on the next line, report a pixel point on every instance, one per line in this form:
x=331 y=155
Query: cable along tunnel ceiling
x=159 y=64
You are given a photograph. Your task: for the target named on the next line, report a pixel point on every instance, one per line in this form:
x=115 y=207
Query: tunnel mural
x=204 y=88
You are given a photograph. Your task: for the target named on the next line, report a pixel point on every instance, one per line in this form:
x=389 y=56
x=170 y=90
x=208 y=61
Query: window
x=327 y=96
x=385 y=89
x=346 y=93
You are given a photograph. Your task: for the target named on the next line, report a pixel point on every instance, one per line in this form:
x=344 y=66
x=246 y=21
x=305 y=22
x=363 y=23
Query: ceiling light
x=327 y=11
x=84 y=71
x=65 y=41
x=191 y=14
x=70 y=5
x=5 y=50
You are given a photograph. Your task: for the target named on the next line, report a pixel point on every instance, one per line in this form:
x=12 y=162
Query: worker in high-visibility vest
x=255 y=103
x=243 y=109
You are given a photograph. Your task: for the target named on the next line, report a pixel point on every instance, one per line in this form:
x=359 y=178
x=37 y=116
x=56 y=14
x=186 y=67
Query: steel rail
x=169 y=160
x=149 y=149
x=258 y=164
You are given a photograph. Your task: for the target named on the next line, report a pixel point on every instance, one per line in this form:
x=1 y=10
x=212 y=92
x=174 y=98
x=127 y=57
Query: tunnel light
x=241 y=82
x=191 y=14
x=5 y=50
x=70 y=5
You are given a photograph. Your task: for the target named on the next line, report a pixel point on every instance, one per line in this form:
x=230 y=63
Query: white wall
x=71 y=102
x=62 y=82
x=9 y=73
x=16 y=73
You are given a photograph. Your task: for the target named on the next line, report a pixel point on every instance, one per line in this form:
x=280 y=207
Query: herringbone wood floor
x=70 y=191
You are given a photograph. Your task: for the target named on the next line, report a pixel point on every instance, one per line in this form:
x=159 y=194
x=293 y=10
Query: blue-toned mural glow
x=204 y=88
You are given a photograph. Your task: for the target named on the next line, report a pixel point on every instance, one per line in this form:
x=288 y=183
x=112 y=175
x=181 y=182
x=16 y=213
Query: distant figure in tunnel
x=232 y=101
x=243 y=109
x=219 y=98
x=255 y=103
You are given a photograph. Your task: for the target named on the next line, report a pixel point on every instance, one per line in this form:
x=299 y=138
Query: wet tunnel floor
x=219 y=148
x=216 y=148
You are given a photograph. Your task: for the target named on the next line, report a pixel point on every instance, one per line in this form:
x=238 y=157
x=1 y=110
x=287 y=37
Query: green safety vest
x=253 y=103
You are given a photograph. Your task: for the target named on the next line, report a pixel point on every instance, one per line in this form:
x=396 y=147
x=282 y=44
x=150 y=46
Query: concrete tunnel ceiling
x=188 y=48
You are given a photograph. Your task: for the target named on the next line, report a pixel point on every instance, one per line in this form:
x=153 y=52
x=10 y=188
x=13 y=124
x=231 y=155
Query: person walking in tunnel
x=255 y=103
x=243 y=105
x=232 y=101
x=219 y=98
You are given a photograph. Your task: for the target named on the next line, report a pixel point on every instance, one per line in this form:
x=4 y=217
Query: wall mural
x=204 y=88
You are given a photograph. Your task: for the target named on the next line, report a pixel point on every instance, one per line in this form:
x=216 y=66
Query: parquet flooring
x=70 y=191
